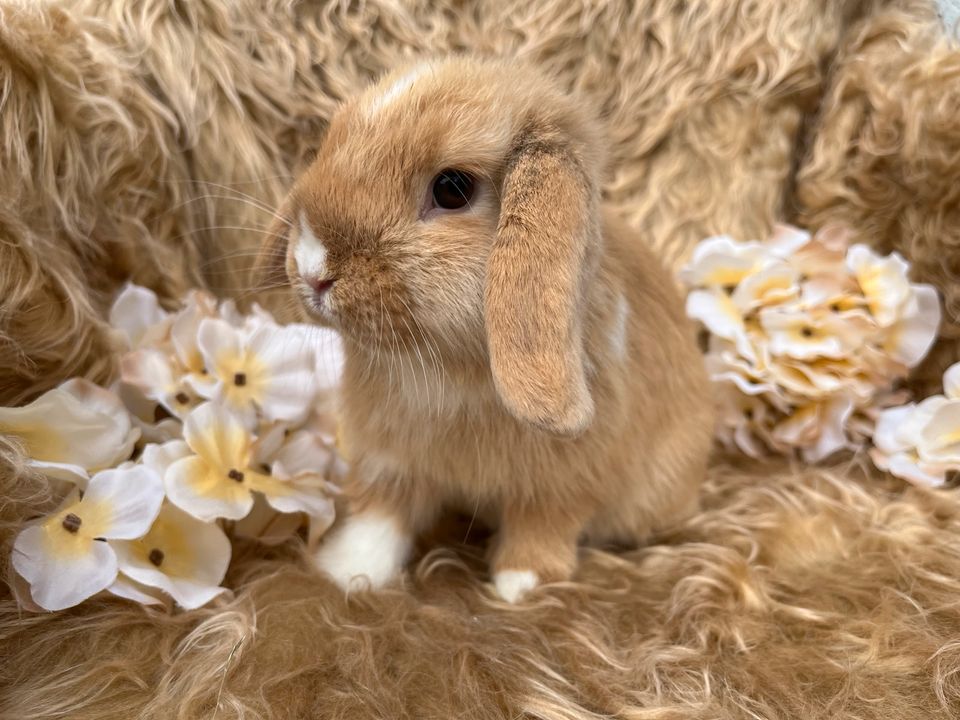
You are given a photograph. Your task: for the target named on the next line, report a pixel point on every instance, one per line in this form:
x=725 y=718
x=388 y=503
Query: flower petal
x=130 y=589
x=137 y=314
x=61 y=471
x=290 y=368
x=303 y=493
x=939 y=439
x=885 y=435
x=775 y=283
x=302 y=452
x=216 y=435
x=833 y=435
x=721 y=261
x=160 y=457
x=185 y=330
x=883 y=281
x=61 y=577
x=221 y=345
x=266 y=524
x=716 y=310
x=786 y=240
x=74 y=425
x=951 y=382
x=181 y=555
x=206 y=492
x=121 y=504
x=910 y=338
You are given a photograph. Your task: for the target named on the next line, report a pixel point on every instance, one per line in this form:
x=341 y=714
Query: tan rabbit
x=512 y=351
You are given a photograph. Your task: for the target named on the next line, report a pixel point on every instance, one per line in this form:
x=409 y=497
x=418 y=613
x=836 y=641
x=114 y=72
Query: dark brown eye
x=452 y=189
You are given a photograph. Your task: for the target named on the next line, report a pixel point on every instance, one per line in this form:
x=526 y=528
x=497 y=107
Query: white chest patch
x=395 y=90
x=618 y=328
x=310 y=254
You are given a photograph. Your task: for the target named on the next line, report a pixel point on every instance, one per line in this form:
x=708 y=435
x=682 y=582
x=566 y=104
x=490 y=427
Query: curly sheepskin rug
x=151 y=140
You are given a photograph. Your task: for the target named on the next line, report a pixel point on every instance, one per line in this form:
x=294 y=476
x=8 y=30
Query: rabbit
x=512 y=350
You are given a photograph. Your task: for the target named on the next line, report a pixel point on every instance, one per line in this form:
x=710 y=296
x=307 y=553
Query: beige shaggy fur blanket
x=150 y=139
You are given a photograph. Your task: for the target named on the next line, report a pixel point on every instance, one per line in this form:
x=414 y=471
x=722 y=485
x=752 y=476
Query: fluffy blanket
x=150 y=139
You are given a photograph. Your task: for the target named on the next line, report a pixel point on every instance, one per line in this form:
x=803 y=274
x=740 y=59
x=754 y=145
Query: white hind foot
x=513 y=585
x=366 y=552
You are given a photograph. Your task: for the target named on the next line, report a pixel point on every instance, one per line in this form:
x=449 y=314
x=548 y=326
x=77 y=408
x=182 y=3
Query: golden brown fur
x=792 y=594
x=561 y=390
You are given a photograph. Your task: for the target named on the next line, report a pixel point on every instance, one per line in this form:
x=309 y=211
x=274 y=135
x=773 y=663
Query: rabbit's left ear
x=547 y=242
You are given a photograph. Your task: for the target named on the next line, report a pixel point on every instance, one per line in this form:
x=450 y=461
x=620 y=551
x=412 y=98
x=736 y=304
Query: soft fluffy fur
x=144 y=136
x=525 y=359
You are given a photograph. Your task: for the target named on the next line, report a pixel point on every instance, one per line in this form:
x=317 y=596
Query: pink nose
x=320 y=286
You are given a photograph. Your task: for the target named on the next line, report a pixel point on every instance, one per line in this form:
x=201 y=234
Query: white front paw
x=366 y=552
x=513 y=585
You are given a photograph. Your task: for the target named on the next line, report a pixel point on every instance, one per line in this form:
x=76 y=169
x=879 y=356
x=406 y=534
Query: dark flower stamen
x=71 y=523
x=807 y=332
x=240 y=379
x=156 y=556
x=182 y=398
x=235 y=474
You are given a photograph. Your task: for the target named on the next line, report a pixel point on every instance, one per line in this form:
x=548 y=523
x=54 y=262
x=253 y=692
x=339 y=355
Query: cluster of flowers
x=807 y=337
x=219 y=422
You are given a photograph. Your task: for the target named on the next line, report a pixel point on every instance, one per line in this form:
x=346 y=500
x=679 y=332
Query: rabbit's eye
x=452 y=189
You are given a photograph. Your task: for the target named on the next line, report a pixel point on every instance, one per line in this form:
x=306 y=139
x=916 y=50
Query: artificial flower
x=73 y=430
x=137 y=314
x=180 y=555
x=920 y=442
x=883 y=281
x=269 y=370
x=130 y=589
x=152 y=373
x=67 y=557
x=218 y=480
x=808 y=335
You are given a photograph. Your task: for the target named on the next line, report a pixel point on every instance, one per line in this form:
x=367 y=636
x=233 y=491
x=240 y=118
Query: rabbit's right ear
x=547 y=244
x=270 y=266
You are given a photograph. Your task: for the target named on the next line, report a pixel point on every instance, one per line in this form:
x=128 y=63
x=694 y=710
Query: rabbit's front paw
x=366 y=552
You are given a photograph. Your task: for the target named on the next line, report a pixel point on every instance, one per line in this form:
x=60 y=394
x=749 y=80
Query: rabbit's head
x=453 y=207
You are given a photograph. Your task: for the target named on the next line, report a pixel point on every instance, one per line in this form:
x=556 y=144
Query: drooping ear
x=269 y=268
x=547 y=240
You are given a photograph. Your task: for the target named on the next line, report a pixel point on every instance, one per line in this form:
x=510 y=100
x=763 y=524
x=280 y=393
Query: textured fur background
x=151 y=138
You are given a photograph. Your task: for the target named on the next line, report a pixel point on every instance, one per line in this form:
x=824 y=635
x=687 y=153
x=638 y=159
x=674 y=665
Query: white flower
x=722 y=262
x=939 y=438
x=152 y=373
x=717 y=311
x=137 y=314
x=72 y=430
x=803 y=336
x=218 y=481
x=912 y=334
x=921 y=442
x=183 y=556
x=270 y=369
x=895 y=436
x=775 y=283
x=883 y=281
x=185 y=329
x=65 y=558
